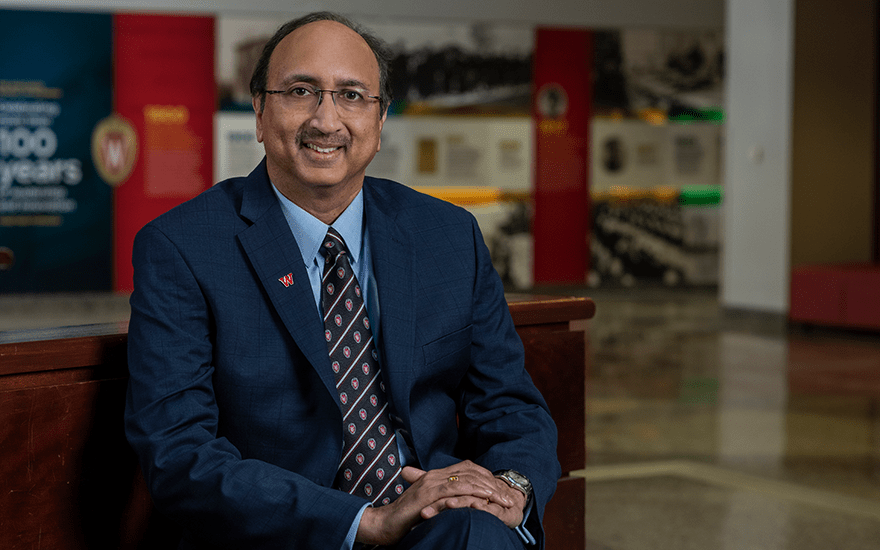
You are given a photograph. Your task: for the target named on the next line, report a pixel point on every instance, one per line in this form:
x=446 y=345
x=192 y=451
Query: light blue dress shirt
x=309 y=233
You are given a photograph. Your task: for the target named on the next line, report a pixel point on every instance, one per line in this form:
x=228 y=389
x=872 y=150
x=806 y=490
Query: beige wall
x=833 y=131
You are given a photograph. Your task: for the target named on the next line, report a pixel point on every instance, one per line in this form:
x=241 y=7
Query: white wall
x=757 y=175
x=596 y=13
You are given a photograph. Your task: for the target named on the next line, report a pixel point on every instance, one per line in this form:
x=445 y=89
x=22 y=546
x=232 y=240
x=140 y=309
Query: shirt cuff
x=353 y=530
x=521 y=530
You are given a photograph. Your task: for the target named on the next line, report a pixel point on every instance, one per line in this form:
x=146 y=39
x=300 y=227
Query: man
x=244 y=397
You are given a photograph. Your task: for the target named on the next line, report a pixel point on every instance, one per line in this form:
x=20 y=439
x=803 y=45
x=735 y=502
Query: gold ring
x=452 y=478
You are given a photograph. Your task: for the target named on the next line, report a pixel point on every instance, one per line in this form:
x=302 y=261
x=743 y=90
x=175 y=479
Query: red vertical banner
x=561 y=109
x=165 y=96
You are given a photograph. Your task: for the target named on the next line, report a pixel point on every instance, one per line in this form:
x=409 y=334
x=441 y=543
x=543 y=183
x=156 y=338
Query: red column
x=561 y=110
x=164 y=88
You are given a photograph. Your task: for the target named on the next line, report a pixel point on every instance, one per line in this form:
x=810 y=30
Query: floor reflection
x=712 y=430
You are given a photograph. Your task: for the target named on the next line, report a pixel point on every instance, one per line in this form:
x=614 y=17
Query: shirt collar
x=309 y=231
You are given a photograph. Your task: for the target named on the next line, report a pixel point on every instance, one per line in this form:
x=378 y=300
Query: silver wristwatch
x=516 y=480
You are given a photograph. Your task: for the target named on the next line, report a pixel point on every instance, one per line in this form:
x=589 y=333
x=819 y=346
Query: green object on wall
x=701 y=195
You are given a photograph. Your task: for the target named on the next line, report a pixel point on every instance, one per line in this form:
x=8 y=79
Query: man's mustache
x=322 y=139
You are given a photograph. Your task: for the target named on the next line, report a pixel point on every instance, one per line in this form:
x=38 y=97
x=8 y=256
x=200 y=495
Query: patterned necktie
x=369 y=466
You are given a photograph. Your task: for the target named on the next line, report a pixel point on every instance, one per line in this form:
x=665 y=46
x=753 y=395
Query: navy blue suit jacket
x=232 y=408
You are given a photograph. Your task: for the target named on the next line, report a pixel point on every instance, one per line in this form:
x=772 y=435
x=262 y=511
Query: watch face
x=521 y=479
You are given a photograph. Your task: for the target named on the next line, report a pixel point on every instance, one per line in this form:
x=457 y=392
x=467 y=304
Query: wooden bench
x=68 y=479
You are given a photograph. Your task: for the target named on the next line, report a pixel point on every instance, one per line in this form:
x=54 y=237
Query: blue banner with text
x=55 y=210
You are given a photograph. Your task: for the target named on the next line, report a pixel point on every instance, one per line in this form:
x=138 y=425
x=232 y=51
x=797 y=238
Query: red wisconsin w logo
x=287 y=280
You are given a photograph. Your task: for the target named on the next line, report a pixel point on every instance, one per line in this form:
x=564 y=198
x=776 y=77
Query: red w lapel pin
x=287 y=280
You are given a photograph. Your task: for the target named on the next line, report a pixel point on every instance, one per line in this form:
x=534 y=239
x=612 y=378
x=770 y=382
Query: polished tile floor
x=705 y=429
x=708 y=429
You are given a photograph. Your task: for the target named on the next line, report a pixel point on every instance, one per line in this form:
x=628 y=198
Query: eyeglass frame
x=321 y=93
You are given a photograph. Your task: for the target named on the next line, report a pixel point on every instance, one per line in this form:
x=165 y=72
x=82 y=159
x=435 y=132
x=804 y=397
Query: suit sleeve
x=504 y=420
x=196 y=476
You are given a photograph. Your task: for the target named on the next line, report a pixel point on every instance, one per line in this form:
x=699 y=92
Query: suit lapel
x=275 y=256
x=393 y=268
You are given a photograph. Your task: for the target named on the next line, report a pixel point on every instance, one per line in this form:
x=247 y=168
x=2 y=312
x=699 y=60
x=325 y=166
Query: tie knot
x=333 y=245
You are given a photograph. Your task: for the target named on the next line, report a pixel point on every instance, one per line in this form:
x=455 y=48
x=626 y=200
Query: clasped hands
x=462 y=485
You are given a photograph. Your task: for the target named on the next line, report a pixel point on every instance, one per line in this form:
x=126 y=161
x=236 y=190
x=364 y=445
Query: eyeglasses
x=306 y=98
